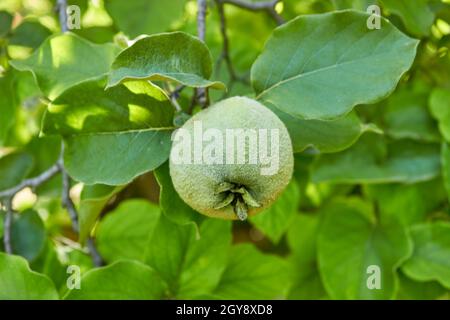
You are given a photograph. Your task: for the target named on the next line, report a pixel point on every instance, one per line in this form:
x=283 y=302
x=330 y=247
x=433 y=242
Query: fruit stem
x=240 y=208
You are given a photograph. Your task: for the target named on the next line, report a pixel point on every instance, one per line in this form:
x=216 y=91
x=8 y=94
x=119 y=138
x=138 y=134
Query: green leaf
x=431 y=256
x=302 y=240
x=412 y=290
x=122 y=280
x=116 y=158
x=18 y=282
x=88 y=108
x=445 y=162
x=175 y=56
x=6 y=20
x=130 y=126
x=135 y=17
x=275 y=220
x=125 y=232
x=28 y=235
x=171 y=204
x=416 y=15
x=191 y=265
x=65 y=60
x=408 y=203
x=325 y=136
x=14 y=167
x=309 y=64
x=351 y=240
x=406 y=116
x=361 y=5
x=374 y=159
x=92 y=201
x=250 y=274
x=29 y=33
x=440 y=109
x=8 y=106
x=48 y=263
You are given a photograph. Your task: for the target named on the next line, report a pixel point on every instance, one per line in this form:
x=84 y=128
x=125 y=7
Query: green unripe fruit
x=243 y=177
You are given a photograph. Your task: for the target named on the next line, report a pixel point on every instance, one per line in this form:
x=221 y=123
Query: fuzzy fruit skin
x=197 y=184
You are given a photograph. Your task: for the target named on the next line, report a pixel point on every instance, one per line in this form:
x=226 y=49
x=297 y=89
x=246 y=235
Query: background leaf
x=125 y=232
x=431 y=257
x=18 y=282
x=122 y=280
x=190 y=264
x=252 y=275
x=350 y=240
x=137 y=17
x=274 y=221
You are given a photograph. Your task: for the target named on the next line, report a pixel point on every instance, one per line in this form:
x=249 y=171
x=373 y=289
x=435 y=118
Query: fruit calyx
x=237 y=196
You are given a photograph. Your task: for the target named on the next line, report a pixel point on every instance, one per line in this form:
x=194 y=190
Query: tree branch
x=268 y=7
x=61 y=6
x=7 y=226
x=32 y=183
x=202 y=93
x=226 y=47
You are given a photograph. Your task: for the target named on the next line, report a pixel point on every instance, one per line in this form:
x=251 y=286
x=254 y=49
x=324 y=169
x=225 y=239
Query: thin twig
x=268 y=7
x=7 y=226
x=70 y=207
x=202 y=93
x=32 y=183
x=225 y=43
x=174 y=95
x=61 y=6
x=226 y=48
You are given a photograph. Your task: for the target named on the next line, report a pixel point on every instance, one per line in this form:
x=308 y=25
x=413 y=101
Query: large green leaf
x=374 y=159
x=171 y=204
x=115 y=158
x=440 y=109
x=88 y=108
x=175 y=56
x=251 y=274
x=65 y=60
x=123 y=280
x=128 y=125
x=275 y=220
x=135 y=17
x=190 y=264
x=309 y=64
x=28 y=235
x=125 y=232
x=416 y=15
x=18 y=282
x=351 y=240
x=431 y=257
x=92 y=201
x=302 y=240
